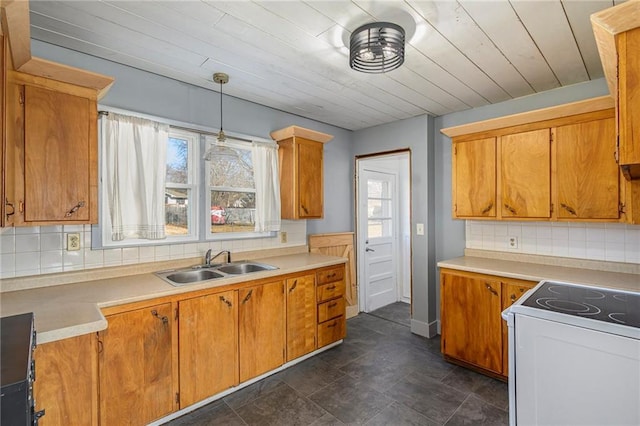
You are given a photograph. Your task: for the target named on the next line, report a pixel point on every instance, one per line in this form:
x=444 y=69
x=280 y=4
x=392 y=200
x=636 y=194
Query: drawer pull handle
x=331 y=275
x=333 y=287
x=247 y=297
x=331 y=305
x=74 y=208
x=228 y=302
x=513 y=298
x=295 y=284
x=332 y=325
x=495 y=293
x=163 y=318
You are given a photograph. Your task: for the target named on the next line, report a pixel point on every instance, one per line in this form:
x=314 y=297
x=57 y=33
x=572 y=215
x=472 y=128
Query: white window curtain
x=134 y=177
x=265 y=174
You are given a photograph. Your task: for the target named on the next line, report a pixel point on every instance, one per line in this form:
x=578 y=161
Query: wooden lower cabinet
x=301 y=316
x=136 y=366
x=208 y=333
x=473 y=332
x=66 y=376
x=330 y=293
x=261 y=329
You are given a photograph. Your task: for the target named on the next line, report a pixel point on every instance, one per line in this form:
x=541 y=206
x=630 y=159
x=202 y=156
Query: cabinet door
x=57 y=156
x=65 y=386
x=136 y=383
x=471 y=322
x=208 y=330
x=301 y=316
x=587 y=175
x=512 y=290
x=628 y=44
x=310 y=178
x=525 y=180
x=474 y=178
x=261 y=329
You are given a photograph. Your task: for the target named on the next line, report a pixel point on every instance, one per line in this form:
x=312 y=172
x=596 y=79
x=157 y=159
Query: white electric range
x=574 y=356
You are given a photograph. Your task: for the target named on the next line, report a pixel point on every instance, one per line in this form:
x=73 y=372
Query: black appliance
x=17 y=403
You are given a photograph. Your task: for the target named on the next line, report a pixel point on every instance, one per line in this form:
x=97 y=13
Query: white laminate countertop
x=70 y=310
x=538 y=272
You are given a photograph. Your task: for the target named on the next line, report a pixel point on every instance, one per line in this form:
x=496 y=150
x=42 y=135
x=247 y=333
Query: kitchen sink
x=200 y=273
x=192 y=276
x=244 y=268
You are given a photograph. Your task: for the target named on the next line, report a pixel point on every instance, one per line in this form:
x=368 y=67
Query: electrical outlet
x=283 y=237
x=73 y=242
x=512 y=242
x=420 y=228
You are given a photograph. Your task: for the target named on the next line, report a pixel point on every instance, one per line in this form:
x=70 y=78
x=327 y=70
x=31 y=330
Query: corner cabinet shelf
x=300 y=156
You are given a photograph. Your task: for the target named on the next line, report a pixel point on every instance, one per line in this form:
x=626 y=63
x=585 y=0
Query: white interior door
x=378 y=236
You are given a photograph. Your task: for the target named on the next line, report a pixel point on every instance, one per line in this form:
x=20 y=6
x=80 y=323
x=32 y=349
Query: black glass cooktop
x=600 y=304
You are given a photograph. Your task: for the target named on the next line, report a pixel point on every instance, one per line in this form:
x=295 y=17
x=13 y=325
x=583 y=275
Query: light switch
x=420 y=228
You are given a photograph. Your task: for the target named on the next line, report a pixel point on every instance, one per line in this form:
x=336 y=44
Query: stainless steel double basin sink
x=201 y=273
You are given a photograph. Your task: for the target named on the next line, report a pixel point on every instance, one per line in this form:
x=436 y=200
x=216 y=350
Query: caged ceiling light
x=377 y=47
x=219 y=148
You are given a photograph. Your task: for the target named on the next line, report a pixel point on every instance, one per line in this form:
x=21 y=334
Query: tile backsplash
x=595 y=241
x=42 y=249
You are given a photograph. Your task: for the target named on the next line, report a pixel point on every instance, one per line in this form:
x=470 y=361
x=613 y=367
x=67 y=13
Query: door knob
x=369 y=249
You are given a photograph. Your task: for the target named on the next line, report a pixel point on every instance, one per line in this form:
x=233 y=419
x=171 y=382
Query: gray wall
x=148 y=93
x=449 y=234
x=413 y=134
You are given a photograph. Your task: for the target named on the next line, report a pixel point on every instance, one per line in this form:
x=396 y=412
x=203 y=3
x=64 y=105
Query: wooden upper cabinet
x=301 y=316
x=208 y=330
x=474 y=178
x=525 y=178
x=471 y=322
x=617 y=34
x=261 y=329
x=300 y=156
x=136 y=366
x=587 y=175
x=51 y=146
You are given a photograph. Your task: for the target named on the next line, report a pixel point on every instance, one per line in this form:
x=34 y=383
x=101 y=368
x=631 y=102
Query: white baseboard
x=424 y=329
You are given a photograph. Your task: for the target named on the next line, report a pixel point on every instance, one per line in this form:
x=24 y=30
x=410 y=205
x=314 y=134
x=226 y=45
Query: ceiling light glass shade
x=377 y=47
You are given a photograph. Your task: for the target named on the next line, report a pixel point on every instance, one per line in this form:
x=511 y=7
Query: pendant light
x=219 y=148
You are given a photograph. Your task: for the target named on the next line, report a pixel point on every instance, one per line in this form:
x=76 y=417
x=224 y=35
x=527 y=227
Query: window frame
x=201 y=195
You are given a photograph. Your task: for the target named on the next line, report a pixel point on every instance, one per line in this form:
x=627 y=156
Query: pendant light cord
x=220 y=105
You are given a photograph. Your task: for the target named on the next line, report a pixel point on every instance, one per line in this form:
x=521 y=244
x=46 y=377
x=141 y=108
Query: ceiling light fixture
x=219 y=147
x=377 y=47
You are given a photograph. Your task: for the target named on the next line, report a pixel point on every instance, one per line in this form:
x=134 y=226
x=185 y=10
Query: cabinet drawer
x=330 y=309
x=329 y=291
x=331 y=275
x=331 y=331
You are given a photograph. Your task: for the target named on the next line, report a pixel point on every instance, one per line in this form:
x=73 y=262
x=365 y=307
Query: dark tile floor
x=380 y=375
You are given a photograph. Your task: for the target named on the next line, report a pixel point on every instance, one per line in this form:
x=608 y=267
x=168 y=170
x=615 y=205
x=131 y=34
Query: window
x=379 y=204
x=231 y=193
x=180 y=185
x=155 y=163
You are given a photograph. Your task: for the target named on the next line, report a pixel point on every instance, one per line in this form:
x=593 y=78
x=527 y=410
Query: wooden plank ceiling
x=291 y=55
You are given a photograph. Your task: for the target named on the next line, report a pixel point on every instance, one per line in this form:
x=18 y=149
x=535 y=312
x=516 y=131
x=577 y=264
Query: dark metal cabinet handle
x=331 y=305
x=333 y=287
x=304 y=208
x=495 y=293
x=513 y=298
x=295 y=284
x=487 y=209
x=247 y=297
x=75 y=208
x=333 y=325
x=511 y=209
x=228 y=302
x=163 y=318
x=331 y=275
x=569 y=209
